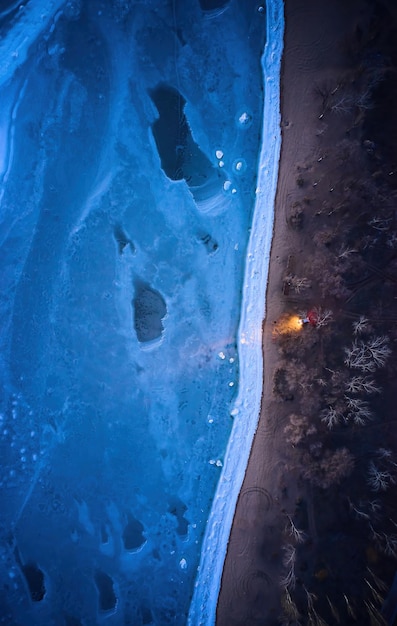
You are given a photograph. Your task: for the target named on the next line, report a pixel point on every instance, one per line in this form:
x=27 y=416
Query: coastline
x=247 y=404
x=317 y=51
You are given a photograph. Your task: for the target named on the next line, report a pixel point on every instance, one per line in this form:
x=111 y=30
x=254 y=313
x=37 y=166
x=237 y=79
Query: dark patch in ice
x=133 y=537
x=170 y=130
x=104 y=534
x=211 y=5
x=122 y=239
x=181 y=158
x=147 y=617
x=149 y=310
x=107 y=597
x=178 y=509
x=180 y=36
x=71 y=621
x=8 y=12
x=156 y=554
x=209 y=242
x=35 y=580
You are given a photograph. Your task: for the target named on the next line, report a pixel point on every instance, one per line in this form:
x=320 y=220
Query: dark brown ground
x=335 y=225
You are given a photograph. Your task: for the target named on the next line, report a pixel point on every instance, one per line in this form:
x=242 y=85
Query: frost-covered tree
x=350 y=607
x=343 y=104
x=358 y=511
x=384 y=453
x=364 y=100
x=374 y=506
x=297 y=283
x=289 y=608
x=362 y=384
x=369 y=355
x=330 y=416
x=380 y=223
x=295 y=532
x=289 y=580
x=361 y=326
x=386 y=543
x=323 y=316
x=289 y=557
x=380 y=584
x=379 y=480
x=310 y=598
x=375 y=616
x=289 y=560
x=390 y=545
x=359 y=411
x=374 y=592
x=345 y=252
x=334 y=611
x=366 y=510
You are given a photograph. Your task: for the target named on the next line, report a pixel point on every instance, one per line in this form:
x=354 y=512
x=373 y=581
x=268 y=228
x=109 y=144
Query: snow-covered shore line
x=247 y=406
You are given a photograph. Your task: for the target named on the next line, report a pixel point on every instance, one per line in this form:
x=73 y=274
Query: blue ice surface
x=126 y=263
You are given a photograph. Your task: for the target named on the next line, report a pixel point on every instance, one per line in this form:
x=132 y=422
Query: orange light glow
x=288 y=324
x=295 y=323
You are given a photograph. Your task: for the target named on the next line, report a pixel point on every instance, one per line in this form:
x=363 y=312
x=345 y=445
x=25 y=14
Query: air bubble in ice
x=239 y=166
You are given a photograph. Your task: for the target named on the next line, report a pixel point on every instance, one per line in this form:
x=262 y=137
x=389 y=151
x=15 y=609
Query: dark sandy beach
x=314 y=537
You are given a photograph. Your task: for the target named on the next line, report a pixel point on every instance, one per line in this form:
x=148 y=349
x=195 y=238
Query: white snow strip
x=32 y=20
x=247 y=407
x=7 y=136
x=93 y=201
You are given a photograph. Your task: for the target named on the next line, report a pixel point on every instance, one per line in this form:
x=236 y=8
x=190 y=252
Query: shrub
x=298 y=284
x=330 y=469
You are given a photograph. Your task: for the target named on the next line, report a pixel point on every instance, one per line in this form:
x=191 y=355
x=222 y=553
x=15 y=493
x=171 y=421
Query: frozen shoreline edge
x=207 y=585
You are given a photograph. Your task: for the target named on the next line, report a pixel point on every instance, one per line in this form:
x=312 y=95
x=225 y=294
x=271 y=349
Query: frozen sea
x=139 y=144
